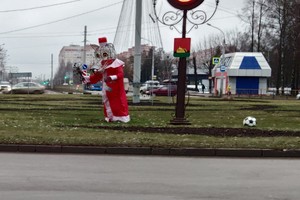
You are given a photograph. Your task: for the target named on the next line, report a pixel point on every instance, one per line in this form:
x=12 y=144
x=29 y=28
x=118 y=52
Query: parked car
x=4 y=85
x=26 y=88
x=165 y=90
x=149 y=85
x=94 y=87
x=193 y=87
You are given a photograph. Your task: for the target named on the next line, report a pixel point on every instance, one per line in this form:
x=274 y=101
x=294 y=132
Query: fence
x=287 y=93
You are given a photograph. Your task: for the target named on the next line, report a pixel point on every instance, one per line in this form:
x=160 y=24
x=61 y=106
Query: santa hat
x=102 y=41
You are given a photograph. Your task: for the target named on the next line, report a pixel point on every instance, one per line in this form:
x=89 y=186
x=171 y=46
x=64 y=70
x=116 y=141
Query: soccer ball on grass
x=249 y=121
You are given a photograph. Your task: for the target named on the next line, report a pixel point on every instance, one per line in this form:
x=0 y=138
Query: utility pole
x=152 y=63
x=51 y=80
x=222 y=62
x=84 y=45
x=137 y=53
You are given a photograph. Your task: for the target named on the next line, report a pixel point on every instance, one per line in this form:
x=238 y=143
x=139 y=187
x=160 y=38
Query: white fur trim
x=124 y=119
x=114 y=77
x=106 y=102
x=115 y=64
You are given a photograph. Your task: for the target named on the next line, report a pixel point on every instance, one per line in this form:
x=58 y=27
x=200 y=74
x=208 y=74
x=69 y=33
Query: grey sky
x=32 y=35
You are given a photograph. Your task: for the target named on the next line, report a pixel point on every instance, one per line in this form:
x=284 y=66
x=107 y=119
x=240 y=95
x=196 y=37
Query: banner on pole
x=182 y=47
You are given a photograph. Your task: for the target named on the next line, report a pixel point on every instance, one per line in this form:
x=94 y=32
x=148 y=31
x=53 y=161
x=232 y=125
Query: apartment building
x=75 y=54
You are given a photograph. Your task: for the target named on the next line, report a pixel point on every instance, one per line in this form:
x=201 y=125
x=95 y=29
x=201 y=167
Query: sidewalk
x=264 y=153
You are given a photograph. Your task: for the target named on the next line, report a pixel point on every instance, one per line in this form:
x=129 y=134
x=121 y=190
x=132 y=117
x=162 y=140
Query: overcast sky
x=32 y=30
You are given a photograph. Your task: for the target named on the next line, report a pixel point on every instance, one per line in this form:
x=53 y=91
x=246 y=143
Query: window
x=227 y=61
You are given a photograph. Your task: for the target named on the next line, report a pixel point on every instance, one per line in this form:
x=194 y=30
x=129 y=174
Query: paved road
x=93 y=177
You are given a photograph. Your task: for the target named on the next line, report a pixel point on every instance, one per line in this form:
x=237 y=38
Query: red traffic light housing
x=185 y=4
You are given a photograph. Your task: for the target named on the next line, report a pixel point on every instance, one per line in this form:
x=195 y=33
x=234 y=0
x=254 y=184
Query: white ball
x=249 y=121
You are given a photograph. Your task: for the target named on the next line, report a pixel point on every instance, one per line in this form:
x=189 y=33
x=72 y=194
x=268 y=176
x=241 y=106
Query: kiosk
x=243 y=73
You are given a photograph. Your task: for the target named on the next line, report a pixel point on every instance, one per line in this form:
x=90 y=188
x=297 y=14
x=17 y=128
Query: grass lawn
x=69 y=119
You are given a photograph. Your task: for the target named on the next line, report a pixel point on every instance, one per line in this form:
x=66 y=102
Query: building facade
x=75 y=54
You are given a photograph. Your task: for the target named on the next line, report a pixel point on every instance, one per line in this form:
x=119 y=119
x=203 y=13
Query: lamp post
x=171 y=19
x=223 y=58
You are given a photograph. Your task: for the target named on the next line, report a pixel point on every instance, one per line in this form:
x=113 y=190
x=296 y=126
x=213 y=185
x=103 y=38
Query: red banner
x=182 y=47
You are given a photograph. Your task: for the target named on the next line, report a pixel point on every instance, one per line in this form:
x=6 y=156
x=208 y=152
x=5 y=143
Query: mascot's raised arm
x=110 y=72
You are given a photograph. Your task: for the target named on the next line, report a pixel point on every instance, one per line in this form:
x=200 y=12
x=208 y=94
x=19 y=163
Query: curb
x=150 y=151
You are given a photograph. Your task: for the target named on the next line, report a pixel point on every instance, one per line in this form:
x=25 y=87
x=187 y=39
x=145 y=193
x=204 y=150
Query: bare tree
x=254 y=15
x=280 y=19
x=210 y=47
x=295 y=46
x=2 y=62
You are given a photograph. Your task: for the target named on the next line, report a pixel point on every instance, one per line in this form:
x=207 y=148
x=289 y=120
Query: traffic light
x=185 y=4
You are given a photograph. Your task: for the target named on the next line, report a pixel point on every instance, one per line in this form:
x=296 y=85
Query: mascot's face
x=107 y=51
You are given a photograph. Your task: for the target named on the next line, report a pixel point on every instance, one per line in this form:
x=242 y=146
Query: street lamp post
x=223 y=58
x=171 y=19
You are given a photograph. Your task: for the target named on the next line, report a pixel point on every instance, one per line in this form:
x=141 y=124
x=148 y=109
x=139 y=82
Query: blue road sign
x=216 y=60
x=84 y=66
x=222 y=68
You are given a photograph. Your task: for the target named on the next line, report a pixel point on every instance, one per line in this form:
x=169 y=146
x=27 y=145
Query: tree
x=2 y=62
x=60 y=73
x=295 y=46
x=280 y=20
x=254 y=15
x=273 y=29
x=146 y=65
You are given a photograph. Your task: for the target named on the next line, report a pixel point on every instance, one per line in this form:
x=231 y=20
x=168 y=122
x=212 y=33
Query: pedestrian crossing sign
x=216 y=60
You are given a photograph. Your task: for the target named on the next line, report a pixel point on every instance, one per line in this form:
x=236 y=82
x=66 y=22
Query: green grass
x=78 y=120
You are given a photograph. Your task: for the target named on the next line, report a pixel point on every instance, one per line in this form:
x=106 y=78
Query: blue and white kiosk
x=243 y=72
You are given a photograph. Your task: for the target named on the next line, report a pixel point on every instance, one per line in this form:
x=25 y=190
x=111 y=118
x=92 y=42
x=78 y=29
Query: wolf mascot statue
x=110 y=72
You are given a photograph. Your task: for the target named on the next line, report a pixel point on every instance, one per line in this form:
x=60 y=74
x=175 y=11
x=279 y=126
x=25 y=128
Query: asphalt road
x=91 y=177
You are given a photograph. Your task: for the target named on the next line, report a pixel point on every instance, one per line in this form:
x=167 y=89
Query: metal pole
x=181 y=84
x=84 y=45
x=223 y=57
x=137 y=53
x=152 y=64
x=51 y=81
x=222 y=63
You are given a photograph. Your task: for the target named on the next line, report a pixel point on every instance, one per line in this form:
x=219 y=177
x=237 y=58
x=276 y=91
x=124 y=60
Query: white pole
x=137 y=53
x=51 y=81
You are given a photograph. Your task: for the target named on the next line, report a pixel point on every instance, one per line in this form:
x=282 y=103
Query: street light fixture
x=223 y=57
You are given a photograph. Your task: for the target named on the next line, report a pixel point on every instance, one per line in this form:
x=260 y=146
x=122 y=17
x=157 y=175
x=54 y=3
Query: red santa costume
x=113 y=92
